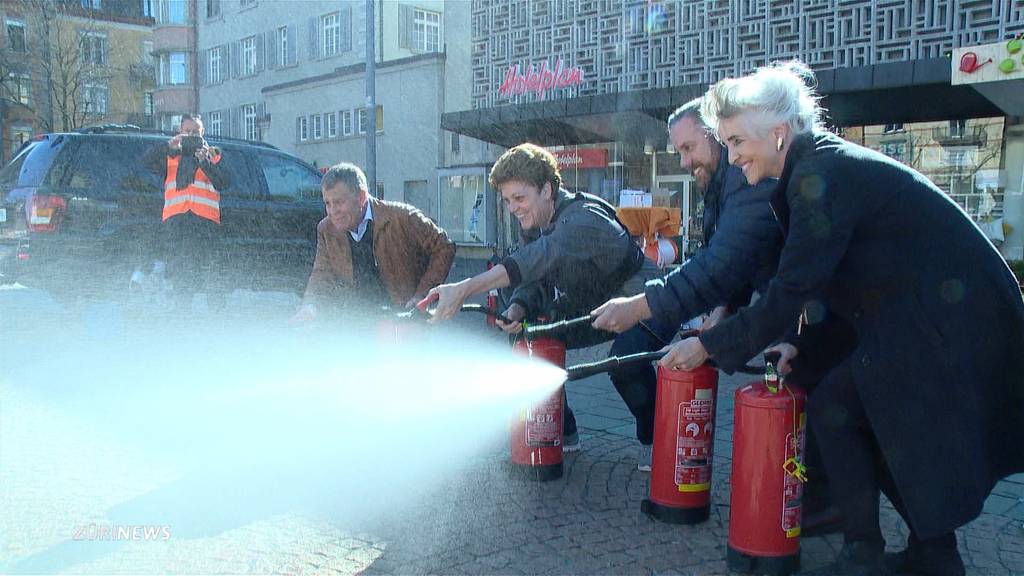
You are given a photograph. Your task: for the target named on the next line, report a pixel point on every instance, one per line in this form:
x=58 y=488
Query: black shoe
x=820 y=522
x=927 y=559
x=856 y=559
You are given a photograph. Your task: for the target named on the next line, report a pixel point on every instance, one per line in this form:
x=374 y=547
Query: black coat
x=939 y=364
x=742 y=242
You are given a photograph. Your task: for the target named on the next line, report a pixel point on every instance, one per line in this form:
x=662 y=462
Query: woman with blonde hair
x=927 y=408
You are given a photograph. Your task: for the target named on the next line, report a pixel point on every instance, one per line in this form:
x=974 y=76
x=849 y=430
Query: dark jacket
x=156 y=161
x=742 y=243
x=575 y=263
x=413 y=255
x=939 y=364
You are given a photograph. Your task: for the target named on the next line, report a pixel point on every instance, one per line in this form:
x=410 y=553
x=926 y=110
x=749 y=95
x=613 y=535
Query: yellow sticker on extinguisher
x=694 y=487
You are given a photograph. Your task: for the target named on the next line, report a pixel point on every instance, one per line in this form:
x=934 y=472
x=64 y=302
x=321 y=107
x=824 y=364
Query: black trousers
x=191 y=252
x=637 y=383
x=854 y=462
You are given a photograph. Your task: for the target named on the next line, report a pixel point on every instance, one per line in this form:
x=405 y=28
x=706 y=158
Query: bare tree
x=64 y=57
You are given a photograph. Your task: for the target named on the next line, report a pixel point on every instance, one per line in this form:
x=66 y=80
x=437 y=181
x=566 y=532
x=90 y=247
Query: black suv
x=79 y=213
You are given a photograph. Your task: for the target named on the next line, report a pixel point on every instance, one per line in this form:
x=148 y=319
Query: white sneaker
x=644 y=463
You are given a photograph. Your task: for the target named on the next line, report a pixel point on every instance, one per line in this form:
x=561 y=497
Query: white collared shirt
x=357 y=234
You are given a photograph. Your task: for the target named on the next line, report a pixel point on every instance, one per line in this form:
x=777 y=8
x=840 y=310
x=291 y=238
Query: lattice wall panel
x=635 y=44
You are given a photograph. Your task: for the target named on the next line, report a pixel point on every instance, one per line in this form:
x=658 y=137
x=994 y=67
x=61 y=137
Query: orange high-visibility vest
x=199 y=197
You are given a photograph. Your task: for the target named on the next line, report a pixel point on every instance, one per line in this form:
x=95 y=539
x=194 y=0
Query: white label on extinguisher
x=543 y=424
x=694 y=442
x=792 y=487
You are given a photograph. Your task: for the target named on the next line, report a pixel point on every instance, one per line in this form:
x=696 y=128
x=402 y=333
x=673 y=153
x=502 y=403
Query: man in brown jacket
x=371 y=253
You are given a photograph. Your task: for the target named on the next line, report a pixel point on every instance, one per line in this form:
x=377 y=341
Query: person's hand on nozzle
x=515 y=313
x=685 y=354
x=787 y=352
x=449 y=299
x=716 y=316
x=620 y=314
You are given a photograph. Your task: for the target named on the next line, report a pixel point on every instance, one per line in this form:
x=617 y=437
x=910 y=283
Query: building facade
x=70 y=64
x=581 y=75
x=174 y=65
x=300 y=83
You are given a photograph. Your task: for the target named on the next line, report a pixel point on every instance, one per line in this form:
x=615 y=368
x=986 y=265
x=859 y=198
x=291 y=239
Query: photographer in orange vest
x=193 y=178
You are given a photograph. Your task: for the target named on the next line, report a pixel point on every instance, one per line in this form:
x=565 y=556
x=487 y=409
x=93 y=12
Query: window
x=426 y=31
x=213 y=70
x=249 y=56
x=463 y=204
x=282 y=46
x=287 y=179
x=380 y=190
x=332 y=124
x=212 y=8
x=216 y=124
x=330 y=27
x=175 y=11
x=94 y=48
x=147 y=8
x=20 y=135
x=303 y=128
x=318 y=126
x=246 y=3
x=251 y=128
x=177 y=69
x=362 y=120
x=16 y=39
x=957 y=128
x=346 y=122
x=147 y=105
x=94 y=4
x=893 y=128
x=456 y=143
x=94 y=99
x=20 y=87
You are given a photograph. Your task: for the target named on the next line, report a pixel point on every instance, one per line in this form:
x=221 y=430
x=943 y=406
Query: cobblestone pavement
x=56 y=491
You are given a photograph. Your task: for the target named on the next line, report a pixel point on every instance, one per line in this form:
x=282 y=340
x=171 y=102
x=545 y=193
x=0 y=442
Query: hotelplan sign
x=540 y=79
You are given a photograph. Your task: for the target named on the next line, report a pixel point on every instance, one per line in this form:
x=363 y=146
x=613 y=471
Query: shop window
x=463 y=207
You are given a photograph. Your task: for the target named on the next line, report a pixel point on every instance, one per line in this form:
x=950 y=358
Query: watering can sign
x=969 y=63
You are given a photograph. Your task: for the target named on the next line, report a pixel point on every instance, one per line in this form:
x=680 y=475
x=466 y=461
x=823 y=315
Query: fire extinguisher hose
x=580 y=371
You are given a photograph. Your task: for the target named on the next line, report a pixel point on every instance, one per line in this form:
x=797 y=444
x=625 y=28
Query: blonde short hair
x=782 y=93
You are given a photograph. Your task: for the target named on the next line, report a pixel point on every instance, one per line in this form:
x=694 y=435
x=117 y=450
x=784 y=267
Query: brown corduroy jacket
x=413 y=255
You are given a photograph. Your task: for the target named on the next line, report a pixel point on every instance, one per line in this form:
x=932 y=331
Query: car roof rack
x=132 y=128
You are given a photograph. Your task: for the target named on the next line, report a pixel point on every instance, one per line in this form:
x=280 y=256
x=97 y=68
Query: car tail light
x=45 y=213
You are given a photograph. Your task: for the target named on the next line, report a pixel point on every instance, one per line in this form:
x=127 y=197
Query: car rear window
x=31 y=166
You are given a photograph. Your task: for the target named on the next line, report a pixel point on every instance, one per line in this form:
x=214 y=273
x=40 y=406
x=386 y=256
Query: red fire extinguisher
x=536 y=433
x=684 y=427
x=767 y=476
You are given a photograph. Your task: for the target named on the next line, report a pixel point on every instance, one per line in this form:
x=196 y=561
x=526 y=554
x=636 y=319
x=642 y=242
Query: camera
x=189 y=145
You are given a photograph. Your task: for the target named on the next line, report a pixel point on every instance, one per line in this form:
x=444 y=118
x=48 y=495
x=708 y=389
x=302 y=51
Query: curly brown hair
x=528 y=163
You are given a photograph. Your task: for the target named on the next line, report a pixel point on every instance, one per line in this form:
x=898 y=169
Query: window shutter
x=293 y=49
x=298 y=128
x=233 y=50
x=272 y=49
x=314 y=39
x=261 y=112
x=345 y=28
x=236 y=122
x=261 y=52
x=203 y=61
x=224 y=63
x=404 y=25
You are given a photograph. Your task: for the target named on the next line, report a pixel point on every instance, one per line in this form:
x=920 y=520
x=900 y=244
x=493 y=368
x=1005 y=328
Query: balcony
x=954 y=135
